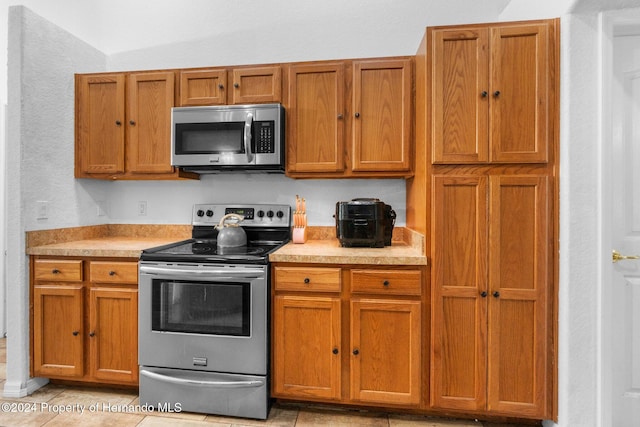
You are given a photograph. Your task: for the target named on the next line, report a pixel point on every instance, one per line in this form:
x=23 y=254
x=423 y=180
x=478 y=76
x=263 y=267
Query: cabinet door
x=306 y=358
x=100 y=115
x=382 y=93
x=203 y=87
x=113 y=334
x=58 y=331
x=459 y=293
x=459 y=95
x=257 y=85
x=519 y=92
x=385 y=351
x=519 y=271
x=316 y=118
x=150 y=98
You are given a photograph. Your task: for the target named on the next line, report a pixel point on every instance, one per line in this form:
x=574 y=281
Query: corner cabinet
x=347 y=334
x=123 y=125
x=490 y=92
x=368 y=136
x=84 y=317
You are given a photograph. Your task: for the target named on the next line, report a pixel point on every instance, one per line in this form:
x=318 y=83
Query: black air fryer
x=364 y=223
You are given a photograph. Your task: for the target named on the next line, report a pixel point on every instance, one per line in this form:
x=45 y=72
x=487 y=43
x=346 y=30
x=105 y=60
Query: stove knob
x=279 y=214
x=200 y=213
x=270 y=214
x=260 y=214
x=209 y=213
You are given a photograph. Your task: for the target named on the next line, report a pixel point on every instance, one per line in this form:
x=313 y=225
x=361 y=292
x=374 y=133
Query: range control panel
x=255 y=215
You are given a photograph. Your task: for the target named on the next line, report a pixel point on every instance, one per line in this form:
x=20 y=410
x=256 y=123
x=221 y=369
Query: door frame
x=609 y=22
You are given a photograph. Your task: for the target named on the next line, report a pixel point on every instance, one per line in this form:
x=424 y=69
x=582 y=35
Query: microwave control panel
x=264 y=138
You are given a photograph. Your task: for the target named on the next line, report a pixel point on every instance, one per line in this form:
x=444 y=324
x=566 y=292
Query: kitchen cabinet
x=347 y=334
x=370 y=136
x=491 y=92
x=249 y=85
x=85 y=315
x=490 y=294
x=123 y=125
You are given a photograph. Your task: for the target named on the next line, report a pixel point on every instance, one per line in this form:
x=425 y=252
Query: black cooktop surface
x=206 y=250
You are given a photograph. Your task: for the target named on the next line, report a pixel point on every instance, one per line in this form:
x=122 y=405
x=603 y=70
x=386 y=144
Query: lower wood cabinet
x=348 y=335
x=84 y=319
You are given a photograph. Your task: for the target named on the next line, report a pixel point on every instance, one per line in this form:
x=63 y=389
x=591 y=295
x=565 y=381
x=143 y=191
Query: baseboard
x=17 y=389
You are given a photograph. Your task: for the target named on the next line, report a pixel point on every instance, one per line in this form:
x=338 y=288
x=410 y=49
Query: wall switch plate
x=42 y=210
x=142 y=208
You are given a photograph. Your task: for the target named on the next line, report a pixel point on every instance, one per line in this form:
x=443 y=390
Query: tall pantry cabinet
x=485 y=194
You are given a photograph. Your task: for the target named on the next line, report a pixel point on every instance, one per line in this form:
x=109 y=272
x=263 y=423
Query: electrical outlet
x=42 y=210
x=142 y=208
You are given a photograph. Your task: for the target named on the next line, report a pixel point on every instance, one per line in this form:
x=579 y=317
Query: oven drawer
x=308 y=279
x=395 y=282
x=113 y=272
x=58 y=270
x=205 y=392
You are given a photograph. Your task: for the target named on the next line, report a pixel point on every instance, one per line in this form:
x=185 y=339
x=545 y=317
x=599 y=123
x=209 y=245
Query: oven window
x=209 y=138
x=201 y=307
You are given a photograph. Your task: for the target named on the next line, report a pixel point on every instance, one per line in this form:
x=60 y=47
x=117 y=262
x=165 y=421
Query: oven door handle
x=181 y=381
x=216 y=274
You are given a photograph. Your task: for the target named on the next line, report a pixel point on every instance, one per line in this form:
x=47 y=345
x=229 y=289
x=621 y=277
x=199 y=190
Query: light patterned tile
x=3 y=371
x=43 y=394
x=23 y=414
x=425 y=421
x=100 y=400
x=153 y=421
x=339 y=418
x=278 y=417
x=95 y=419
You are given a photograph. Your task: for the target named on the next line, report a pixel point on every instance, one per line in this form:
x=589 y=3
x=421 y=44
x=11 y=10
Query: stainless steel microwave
x=212 y=139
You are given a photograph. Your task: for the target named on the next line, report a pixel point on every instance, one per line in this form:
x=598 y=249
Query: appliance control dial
x=270 y=213
x=260 y=213
x=200 y=213
x=279 y=214
x=209 y=213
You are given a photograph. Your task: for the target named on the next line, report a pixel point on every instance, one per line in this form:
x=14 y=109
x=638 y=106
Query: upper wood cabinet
x=123 y=125
x=491 y=88
x=367 y=136
x=315 y=118
x=382 y=99
x=247 y=85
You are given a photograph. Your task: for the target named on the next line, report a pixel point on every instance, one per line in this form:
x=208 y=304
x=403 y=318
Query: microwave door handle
x=247 y=137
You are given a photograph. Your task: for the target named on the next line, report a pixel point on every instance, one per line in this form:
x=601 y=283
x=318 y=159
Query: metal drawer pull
x=617 y=256
x=225 y=384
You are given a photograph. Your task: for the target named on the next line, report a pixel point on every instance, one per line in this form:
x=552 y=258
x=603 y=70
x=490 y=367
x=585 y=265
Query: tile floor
x=55 y=405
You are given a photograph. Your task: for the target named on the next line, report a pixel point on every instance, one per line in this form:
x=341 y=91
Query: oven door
x=210 y=317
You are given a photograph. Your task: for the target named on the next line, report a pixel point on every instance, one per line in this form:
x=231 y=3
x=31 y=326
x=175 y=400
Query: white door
x=625 y=238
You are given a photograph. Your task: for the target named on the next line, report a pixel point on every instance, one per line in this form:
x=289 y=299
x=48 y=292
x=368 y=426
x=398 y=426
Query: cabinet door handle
x=386 y=283
x=340 y=116
x=92 y=334
x=75 y=333
x=118 y=122
x=55 y=271
x=335 y=351
x=483 y=294
x=496 y=93
x=132 y=122
x=484 y=93
x=220 y=86
x=307 y=280
x=496 y=294
x=236 y=85
x=357 y=115
x=356 y=352
x=112 y=273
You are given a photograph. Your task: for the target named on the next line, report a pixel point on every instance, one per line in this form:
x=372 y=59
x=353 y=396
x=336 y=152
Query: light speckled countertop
x=128 y=241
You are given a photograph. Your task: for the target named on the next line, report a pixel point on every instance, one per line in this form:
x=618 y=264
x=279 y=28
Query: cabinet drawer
x=395 y=282
x=114 y=272
x=58 y=270
x=307 y=279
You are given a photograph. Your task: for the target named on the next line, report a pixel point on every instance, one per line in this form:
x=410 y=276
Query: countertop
x=128 y=241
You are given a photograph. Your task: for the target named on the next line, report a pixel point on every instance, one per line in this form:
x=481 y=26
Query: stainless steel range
x=204 y=318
